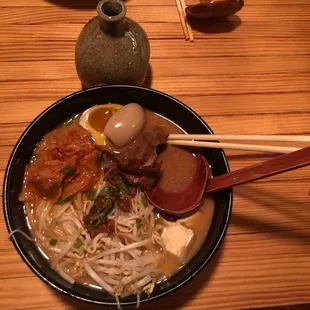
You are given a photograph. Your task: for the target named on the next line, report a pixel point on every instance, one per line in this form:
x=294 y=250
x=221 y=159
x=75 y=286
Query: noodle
x=98 y=279
x=97 y=233
x=122 y=249
x=138 y=301
x=18 y=230
x=66 y=248
x=120 y=263
x=118 y=303
x=65 y=275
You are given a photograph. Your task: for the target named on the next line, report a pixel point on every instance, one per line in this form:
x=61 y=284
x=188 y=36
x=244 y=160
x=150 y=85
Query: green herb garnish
x=103 y=215
x=105 y=191
x=109 y=191
x=123 y=187
x=67 y=170
x=78 y=243
x=69 y=122
x=139 y=224
x=144 y=200
x=53 y=242
x=60 y=201
x=107 y=209
x=91 y=194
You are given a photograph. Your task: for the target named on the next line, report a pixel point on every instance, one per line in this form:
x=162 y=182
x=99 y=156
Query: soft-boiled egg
x=125 y=124
x=95 y=119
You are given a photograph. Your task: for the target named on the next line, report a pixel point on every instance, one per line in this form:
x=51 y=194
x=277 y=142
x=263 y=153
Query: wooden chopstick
x=182 y=19
x=279 y=138
x=247 y=147
x=189 y=28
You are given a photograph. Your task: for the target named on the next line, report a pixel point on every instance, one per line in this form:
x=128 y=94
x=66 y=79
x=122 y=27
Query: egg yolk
x=98 y=118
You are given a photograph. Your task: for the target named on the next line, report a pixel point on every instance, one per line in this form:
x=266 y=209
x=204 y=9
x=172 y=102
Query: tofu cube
x=177 y=240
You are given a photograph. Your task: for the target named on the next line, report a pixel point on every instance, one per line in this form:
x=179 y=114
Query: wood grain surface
x=249 y=74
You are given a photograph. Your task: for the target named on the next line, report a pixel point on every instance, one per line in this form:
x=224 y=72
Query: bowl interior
x=72 y=105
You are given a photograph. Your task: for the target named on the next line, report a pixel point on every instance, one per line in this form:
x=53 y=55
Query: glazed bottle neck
x=111 y=12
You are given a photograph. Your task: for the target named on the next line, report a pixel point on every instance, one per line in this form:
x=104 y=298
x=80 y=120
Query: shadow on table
x=216 y=25
x=288 y=307
x=172 y=301
x=76 y=4
x=254 y=155
x=279 y=202
x=147 y=83
x=148 y=78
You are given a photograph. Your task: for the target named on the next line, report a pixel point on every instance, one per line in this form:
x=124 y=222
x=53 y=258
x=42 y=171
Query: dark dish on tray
x=86 y=194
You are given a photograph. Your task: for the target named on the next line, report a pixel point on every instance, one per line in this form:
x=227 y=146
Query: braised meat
x=145 y=182
x=124 y=204
x=113 y=172
x=140 y=157
x=96 y=220
x=138 y=162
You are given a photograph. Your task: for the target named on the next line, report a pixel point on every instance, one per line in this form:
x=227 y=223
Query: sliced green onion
x=105 y=191
x=67 y=170
x=69 y=122
x=104 y=214
x=139 y=224
x=109 y=191
x=78 y=243
x=144 y=200
x=53 y=242
x=107 y=209
x=123 y=187
x=91 y=194
x=60 y=201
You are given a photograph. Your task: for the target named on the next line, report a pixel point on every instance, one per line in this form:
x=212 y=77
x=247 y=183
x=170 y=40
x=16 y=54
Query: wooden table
x=250 y=75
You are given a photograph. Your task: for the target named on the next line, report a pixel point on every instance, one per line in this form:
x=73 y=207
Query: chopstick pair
x=187 y=140
x=187 y=29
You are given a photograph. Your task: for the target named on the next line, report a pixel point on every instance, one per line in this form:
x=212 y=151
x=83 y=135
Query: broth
x=181 y=160
x=53 y=223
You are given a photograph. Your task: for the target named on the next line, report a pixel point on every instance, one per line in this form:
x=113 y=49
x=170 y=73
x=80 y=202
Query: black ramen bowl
x=76 y=103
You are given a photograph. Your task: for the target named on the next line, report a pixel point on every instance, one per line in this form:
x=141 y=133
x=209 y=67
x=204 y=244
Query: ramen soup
x=85 y=197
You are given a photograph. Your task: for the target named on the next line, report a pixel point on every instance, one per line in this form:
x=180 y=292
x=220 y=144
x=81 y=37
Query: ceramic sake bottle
x=111 y=48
